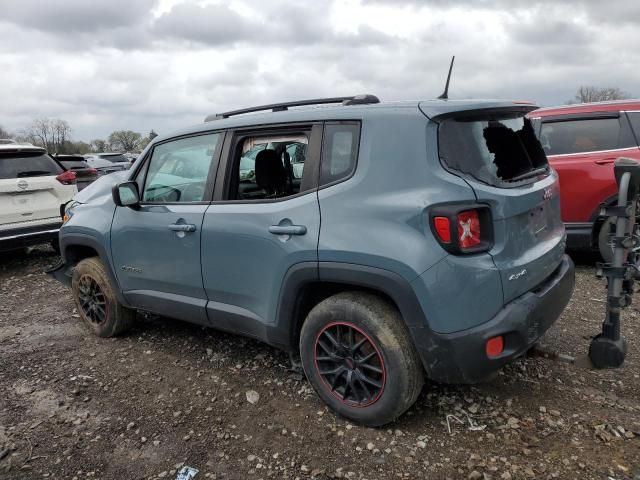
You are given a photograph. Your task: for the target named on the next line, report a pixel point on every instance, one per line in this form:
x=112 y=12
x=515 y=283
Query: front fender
x=75 y=247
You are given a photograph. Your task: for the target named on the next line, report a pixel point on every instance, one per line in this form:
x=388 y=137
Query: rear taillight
x=461 y=228
x=67 y=178
x=469 y=233
x=92 y=171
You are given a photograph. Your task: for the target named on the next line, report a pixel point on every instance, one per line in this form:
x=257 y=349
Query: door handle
x=288 y=229
x=182 y=227
x=604 y=161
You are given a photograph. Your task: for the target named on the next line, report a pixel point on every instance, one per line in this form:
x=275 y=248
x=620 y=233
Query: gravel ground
x=170 y=394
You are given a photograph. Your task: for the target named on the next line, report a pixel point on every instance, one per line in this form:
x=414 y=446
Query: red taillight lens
x=442 y=228
x=494 y=346
x=92 y=171
x=468 y=229
x=67 y=178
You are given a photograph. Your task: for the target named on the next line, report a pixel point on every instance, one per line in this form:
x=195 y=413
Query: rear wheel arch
x=305 y=287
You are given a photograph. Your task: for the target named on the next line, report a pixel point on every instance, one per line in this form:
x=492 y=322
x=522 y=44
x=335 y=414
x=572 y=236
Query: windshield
x=493 y=148
x=20 y=165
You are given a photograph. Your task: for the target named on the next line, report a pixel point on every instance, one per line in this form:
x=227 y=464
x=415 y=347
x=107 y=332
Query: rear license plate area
x=538 y=219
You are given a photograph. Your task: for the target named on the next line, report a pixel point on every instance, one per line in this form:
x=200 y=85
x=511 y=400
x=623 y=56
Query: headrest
x=270 y=173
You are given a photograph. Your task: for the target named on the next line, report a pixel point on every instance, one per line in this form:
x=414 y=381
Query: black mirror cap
x=132 y=188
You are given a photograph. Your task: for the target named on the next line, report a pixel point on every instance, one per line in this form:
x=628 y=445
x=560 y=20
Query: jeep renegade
x=384 y=242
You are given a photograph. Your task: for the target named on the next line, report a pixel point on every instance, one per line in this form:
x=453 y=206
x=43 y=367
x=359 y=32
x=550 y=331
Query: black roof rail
x=280 y=107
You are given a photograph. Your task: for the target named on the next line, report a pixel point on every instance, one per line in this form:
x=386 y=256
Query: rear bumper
x=460 y=357
x=23 y=237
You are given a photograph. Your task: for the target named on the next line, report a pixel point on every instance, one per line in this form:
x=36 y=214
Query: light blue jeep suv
x=404 y=240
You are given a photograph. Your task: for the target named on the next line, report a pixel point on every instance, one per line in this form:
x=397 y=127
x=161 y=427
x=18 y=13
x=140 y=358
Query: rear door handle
x=182 y=227
x=604 y=161
x=288 y=229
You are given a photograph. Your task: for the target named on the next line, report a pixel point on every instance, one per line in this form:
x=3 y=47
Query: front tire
x=96 y=300
x=358 y=356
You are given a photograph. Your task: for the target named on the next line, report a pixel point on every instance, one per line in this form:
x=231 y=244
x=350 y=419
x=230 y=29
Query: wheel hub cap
x=92 y=300
x=350 y=364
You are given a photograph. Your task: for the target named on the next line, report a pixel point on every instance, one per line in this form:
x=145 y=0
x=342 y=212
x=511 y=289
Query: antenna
x=445 y=94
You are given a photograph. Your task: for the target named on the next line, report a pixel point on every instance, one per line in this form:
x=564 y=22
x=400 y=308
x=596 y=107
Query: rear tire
x=358 y=356
x=96 y=300
x=604 y=245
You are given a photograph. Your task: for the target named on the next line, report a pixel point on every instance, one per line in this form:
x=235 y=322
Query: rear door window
x=492 y=148
x=585 y=135
x=23 y=164
x=271 y=167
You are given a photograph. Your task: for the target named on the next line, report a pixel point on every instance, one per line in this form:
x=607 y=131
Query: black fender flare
x=68 y=241
x=394 y=286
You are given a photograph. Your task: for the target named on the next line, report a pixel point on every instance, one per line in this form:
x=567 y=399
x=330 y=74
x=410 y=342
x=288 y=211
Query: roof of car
x=430 y=108
x=611 y=106
x=20 y=147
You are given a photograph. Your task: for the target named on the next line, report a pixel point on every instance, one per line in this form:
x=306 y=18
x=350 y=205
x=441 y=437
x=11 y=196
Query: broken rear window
x=497 y=149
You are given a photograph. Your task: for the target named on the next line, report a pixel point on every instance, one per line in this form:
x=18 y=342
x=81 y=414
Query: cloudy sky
x=163 y=64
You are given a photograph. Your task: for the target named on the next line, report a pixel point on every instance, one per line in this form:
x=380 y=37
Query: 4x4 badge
x=548 y=193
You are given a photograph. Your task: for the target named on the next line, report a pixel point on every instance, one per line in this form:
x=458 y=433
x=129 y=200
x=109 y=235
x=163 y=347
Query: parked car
x=422 y=238
x=582 y=142
x=33 y=189
x=106 y=163
x=77 y=164
x=5 y=141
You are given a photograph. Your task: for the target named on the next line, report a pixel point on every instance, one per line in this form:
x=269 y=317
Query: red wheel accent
x=350 y=365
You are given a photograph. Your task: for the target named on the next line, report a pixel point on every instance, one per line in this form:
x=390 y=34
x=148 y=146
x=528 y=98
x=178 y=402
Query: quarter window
x=340 y=152
x=178 y=170
x=583 y=136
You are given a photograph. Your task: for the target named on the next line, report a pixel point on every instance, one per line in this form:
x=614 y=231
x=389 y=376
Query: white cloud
x=125 y=64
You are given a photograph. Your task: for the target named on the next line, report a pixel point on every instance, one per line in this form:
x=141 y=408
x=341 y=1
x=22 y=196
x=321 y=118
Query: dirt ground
x=171 y=394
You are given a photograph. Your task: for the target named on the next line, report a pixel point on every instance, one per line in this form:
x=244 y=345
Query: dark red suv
x=582 y=141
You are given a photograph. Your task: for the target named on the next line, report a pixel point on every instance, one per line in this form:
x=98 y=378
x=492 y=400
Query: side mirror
x=126 y=194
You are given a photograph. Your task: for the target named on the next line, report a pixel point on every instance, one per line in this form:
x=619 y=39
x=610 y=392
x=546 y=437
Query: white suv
x=33 y=188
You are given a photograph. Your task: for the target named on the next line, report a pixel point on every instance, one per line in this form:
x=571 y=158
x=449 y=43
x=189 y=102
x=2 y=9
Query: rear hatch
x=497 y=153
x=29 y=190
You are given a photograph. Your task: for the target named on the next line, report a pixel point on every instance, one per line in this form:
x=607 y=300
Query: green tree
x=98 y=145
x=124 y=141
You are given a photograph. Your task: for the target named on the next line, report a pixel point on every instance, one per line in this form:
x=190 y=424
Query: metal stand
x=608 y=349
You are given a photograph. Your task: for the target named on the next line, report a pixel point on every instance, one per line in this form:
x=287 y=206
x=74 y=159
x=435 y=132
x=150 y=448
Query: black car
x=76 y=163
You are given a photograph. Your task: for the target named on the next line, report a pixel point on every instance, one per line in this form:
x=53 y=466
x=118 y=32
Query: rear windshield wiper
x=532 y=173
x=33 y=173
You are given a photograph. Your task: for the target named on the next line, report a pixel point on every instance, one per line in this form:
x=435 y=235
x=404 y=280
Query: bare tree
x=4 y=133
x=98 y=145
x=50 y=133
x=60 y=133
x=124 y=140
x=587 y=94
